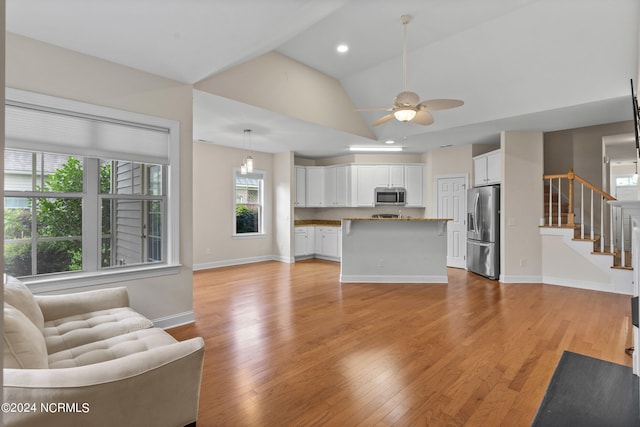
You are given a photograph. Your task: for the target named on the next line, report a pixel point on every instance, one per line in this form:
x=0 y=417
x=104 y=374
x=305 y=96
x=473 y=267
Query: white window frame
x=263 y=202
x=70 y=280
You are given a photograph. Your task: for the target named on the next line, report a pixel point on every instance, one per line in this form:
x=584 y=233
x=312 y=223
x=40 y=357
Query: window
x=626 y=181
x=87 y=191
x=248 y=204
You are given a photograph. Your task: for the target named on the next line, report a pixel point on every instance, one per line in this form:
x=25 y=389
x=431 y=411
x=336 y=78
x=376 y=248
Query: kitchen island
x=394 y=250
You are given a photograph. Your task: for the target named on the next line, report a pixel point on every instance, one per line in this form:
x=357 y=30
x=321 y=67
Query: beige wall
x=283 y=189
x=278 y=83
x=580 y=149
x=43 y=68
x=213 y=241
x=445 y=161
x=521 y=206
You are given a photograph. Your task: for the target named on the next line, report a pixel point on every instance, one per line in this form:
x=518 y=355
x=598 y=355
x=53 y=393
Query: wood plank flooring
x=288 y=345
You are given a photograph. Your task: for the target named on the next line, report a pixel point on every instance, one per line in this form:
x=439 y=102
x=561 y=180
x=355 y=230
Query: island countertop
x=397 y=219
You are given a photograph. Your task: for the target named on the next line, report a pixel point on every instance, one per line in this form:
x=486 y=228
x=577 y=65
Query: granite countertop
x=397 y=219
x=316 y=222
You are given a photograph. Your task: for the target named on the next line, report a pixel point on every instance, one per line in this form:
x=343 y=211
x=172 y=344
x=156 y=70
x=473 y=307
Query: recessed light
x=342 y=48
x=375 y=148
x=389 y=141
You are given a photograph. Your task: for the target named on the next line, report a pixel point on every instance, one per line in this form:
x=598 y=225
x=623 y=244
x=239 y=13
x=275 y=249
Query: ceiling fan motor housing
x=406 y=98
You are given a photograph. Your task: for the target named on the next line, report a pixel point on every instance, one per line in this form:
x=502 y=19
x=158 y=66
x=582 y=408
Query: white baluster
x=591 y=223
x=601 y=224
x=582 y=211
x=550 y=201
x=611 y=242
x=622 y=257
x=559 y=202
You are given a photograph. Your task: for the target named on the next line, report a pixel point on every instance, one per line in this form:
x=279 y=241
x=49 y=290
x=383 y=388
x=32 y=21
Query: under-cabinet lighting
x=375 y=148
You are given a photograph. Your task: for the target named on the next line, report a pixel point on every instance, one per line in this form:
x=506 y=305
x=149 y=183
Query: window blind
x=32 y=127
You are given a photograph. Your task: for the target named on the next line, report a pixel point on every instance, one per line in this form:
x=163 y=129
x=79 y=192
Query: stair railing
x=555 y=211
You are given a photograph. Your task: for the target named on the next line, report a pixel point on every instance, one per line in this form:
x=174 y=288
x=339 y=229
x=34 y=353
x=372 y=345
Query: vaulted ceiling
x=517 y=64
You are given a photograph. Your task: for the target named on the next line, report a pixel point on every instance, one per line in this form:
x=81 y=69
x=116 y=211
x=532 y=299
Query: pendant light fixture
x=247 y=162
x=249 y=159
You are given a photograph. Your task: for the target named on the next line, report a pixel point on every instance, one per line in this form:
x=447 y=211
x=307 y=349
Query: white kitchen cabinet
x=300 y=194
x=365 y=185
x=397 y=175
x=304 y=241
x=327 y=242
x=337 y=181
x=414 y=184
x=315 y=187
x=487 y=168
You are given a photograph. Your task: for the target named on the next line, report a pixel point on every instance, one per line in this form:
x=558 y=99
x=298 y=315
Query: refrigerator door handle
x=475 y=211
x=479 y=243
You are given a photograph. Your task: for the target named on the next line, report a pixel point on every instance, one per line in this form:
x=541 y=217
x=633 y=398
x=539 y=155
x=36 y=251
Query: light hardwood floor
x=288 y=345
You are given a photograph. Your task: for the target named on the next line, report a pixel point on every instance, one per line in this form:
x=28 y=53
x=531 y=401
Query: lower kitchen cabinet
x=304 y=241
x=318 y=241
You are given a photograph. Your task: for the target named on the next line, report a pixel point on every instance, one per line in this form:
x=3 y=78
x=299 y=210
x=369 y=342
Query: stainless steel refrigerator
x=483 y=231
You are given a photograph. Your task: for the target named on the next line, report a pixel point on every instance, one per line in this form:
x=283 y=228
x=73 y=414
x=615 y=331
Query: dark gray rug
x=589 y=392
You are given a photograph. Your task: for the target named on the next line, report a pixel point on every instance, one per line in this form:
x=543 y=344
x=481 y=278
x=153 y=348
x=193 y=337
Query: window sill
x=249 y=236
x=81 y=280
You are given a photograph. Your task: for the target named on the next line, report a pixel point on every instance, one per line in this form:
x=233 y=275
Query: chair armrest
x=159 y=387
x=59 y=306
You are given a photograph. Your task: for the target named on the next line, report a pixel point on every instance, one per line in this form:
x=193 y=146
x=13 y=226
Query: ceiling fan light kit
x=406 y=105
x=405 y=114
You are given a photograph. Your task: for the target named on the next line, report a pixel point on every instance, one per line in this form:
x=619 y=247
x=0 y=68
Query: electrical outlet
x=381 y=262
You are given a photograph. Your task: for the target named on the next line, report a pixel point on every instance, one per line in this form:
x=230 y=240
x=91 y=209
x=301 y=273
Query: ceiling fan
x=406 y=105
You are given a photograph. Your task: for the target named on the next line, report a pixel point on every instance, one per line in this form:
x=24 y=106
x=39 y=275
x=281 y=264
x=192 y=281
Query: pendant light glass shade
x=405 y=114
x=247 y=163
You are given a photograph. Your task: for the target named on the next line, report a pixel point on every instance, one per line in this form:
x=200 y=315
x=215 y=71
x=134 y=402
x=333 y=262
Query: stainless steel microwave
x=396 y=196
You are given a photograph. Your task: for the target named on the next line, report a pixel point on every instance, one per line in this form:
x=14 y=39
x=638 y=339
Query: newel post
x=570 y=214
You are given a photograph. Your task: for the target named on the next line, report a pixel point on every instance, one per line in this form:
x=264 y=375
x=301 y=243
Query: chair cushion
x=73 y=331
x=111 y=348
x=19 y=296
x=24 y=345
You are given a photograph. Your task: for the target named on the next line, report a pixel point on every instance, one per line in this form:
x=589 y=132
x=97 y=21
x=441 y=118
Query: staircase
x=591 y=226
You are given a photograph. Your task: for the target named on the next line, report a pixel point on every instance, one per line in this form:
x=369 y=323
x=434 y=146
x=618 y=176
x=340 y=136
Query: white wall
x=521 y=207
x=39 y=67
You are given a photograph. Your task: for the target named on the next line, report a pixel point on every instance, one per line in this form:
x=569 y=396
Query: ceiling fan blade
x=423 y=118
x=440 y=104
x=383 y=119
x=373 y=109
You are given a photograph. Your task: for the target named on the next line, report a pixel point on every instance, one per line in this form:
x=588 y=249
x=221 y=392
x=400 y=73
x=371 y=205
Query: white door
x=452 y=200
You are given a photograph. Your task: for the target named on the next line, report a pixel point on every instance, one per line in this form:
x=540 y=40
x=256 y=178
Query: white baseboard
x=393 y=279
x=239 y=261
x=582 y=284
x=174 y=320
x=520 y=279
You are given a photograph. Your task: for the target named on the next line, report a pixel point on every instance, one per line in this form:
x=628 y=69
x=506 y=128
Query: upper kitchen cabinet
x=414 y=184
x=315 y=187
x=300 y=194
x=366 y=178
x=337 y=180
x=487 y=168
